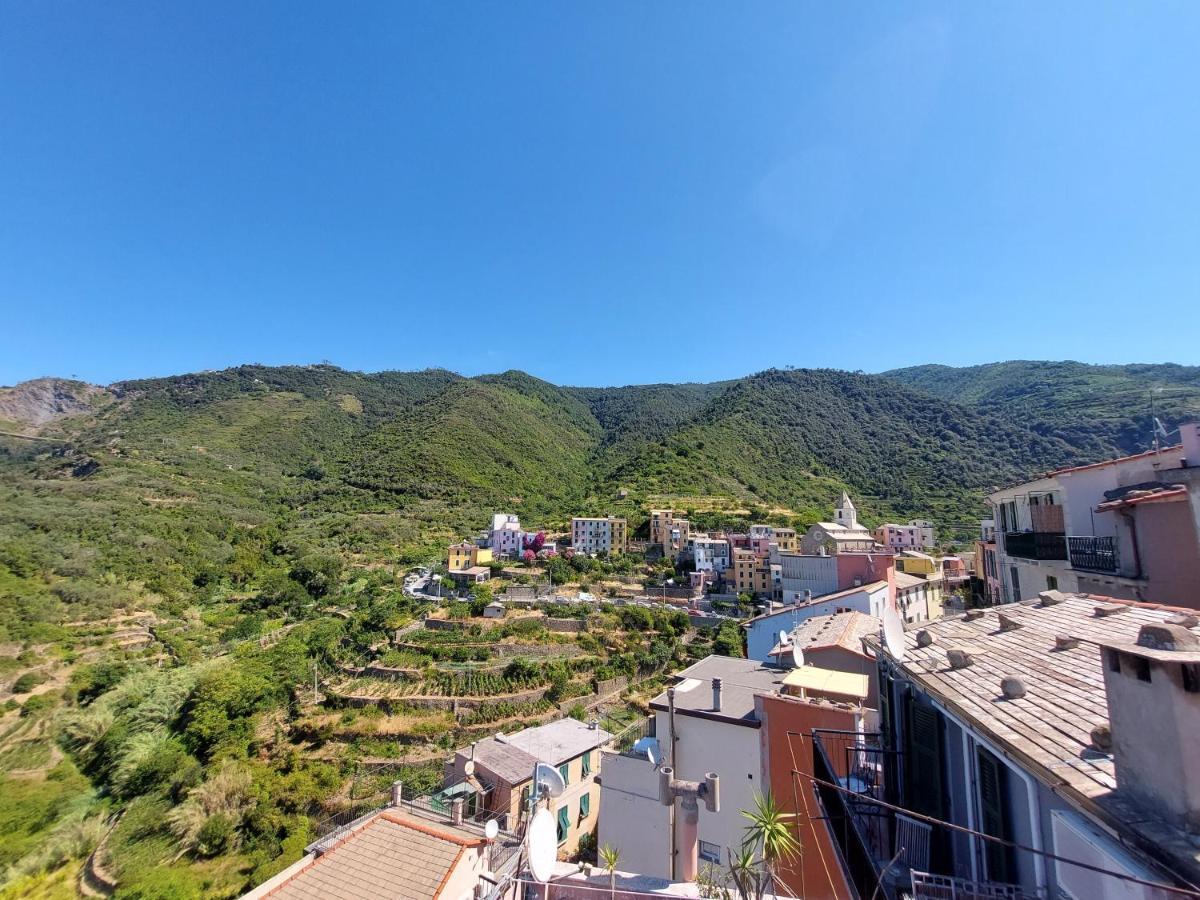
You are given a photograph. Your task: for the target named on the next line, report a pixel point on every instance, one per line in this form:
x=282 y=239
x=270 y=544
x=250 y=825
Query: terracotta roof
x=1163 y=493
x=390 y=857
x=1112 y=462
x=845 y=630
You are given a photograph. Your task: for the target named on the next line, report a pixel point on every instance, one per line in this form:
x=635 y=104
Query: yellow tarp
x=814 y=680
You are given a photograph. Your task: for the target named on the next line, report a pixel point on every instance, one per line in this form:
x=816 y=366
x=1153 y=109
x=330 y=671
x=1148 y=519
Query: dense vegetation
x=1102 y=410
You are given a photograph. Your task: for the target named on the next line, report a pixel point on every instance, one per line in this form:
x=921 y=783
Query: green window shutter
x=994 y=816
x=587 y=764
x=924 y=759
x=565 y=771
x=564 y=822
x=585 y=806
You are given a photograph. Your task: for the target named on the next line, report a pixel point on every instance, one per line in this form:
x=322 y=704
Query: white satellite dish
x=893 y=634
x=649 y=746
x=548 y=779
x=541 y=844
x=469 y=768
x=491 y=829
x=797 y=656
x=784 y=638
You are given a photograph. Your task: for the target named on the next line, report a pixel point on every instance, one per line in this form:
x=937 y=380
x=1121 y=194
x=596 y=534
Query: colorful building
x=607 y=534
x=669 y=532
x=467 y=555
x=752 y=574
x=506 y=537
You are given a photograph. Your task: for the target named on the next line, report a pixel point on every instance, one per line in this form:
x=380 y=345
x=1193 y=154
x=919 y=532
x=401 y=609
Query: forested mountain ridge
x=1102 y=410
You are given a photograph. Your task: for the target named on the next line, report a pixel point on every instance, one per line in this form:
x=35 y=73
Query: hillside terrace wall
x=565 y=625
x=451 y=704
x=505 y=650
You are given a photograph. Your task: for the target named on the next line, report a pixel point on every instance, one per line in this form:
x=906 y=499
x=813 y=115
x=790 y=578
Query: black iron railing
x=1099 y=554
x=1036 y=545
x=861 y=829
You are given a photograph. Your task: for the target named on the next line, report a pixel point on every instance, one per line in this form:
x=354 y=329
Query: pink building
x=899 y=537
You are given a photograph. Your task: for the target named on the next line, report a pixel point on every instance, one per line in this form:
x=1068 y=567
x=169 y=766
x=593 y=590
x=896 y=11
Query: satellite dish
x=649 y=746
x=548 y=779
x=491 y=829
x=893 y=634
x=541 y=845
x=469 y=767
x=797 y=656
x=784 y=638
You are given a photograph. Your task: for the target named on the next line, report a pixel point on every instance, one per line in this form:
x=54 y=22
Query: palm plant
x=609 y=857
x=768 y=837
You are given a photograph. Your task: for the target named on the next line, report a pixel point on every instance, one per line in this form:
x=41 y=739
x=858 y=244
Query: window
x=565 y=771
x=587 y=764
x=1051 y=583
x=585 y=806
x=564 y=822
x=710 y=852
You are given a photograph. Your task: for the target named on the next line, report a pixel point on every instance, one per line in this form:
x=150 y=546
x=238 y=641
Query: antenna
x=469 y=768
x=548 y=780
x=649 y=746
x=491 y=829
x=541 y=845
x=797 y=656
x=784 y=638
x=893 y=634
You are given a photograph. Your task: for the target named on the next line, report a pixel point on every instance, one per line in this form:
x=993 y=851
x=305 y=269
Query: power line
x=1190 y=891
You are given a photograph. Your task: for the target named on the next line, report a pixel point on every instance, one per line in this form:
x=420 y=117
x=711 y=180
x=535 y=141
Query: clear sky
x=597 y=193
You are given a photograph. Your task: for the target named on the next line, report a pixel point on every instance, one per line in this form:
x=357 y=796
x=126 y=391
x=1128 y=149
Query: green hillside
x=1102 y=410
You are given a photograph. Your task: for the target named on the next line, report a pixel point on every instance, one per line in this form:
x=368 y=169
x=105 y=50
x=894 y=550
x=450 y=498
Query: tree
x=768 y=842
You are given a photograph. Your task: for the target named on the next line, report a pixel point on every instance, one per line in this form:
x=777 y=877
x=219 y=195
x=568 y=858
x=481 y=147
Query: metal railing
x=862 y=830
x=1036 y=545
x=926 y=886
x=1099 y=554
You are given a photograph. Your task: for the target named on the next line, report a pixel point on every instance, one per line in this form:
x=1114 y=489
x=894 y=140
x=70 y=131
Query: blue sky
x=596 y=193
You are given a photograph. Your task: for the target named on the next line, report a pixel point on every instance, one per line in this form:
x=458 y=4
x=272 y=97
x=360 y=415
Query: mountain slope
x=1102 y=410
x=799 y=437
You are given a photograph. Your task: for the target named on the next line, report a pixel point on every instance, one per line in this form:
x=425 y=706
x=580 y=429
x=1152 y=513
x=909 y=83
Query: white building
x=506 y=537
x=710 y=735
x=762 y=632
x=607 y=534
x=926 y=530
x=709 y=554
x=842 y=535
x=1121 y=528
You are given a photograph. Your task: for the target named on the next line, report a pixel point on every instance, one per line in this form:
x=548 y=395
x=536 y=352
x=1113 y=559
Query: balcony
x=1036 y=545
x=1096 y=554
x=863 y=831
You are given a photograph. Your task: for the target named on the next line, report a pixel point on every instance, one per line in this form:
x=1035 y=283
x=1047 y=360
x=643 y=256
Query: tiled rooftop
x=741 y=680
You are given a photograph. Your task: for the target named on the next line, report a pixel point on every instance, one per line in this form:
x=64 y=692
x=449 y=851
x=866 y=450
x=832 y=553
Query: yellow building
x=751 y=573
x=786 y=539
x=669 y=532
x=465 y=555
x=913 y=562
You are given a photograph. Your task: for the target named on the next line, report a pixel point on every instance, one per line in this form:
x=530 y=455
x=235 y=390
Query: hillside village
x=1012 y=721
x=923 y=709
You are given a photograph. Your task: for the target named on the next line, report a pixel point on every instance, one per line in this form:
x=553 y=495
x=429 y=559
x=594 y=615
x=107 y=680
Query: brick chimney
x=1153 y=691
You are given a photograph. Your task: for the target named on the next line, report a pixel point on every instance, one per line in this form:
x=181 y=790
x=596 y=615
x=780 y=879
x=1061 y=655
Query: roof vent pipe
x=716 y=689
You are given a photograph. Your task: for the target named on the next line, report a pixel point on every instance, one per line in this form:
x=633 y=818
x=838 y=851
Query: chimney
x=1189 y=432
x=397 y=792
x=456 y=811
x=1153 y=693
x=716 y=686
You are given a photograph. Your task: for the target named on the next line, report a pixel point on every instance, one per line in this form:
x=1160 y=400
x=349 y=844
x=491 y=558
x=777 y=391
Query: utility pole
x=314 y=682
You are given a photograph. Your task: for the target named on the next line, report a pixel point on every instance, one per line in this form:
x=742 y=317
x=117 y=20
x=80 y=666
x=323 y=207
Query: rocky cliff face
x=44 y=400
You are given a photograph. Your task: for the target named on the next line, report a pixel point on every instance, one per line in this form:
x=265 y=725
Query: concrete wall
x=818 y=574
x=632 y=820
x=762 y=634
x=732 y=751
